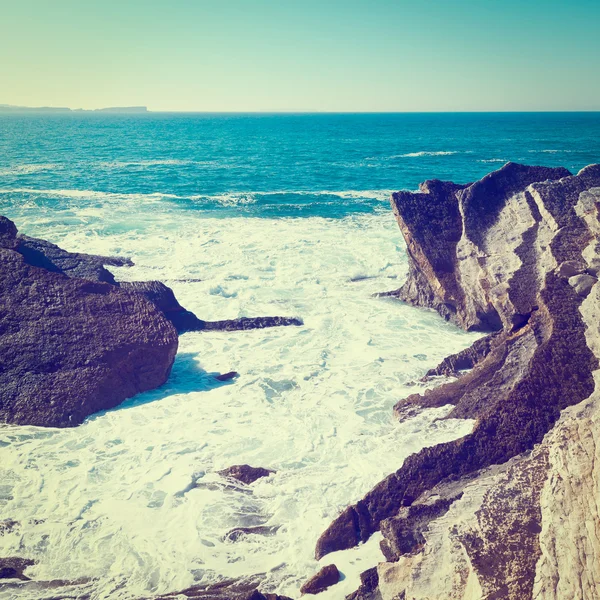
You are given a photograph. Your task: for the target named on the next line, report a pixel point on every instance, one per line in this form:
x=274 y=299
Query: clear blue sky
x=327 y=55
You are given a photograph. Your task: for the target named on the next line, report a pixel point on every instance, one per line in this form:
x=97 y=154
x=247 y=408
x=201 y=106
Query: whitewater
x=242 y=215
x=131 y=499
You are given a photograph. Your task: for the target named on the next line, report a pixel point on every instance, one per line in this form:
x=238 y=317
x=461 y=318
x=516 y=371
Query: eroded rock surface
x=225 y=590
x=511 y=510
x=70 y=346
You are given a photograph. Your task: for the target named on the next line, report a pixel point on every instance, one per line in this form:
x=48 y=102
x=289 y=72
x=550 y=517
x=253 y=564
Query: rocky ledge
x=74 y=341
x=510 y=510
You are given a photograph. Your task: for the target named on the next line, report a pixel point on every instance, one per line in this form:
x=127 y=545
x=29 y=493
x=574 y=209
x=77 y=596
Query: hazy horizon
x=266 y=56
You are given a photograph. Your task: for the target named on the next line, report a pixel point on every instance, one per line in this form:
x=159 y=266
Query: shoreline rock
x=325 y=578
x=71 y=347
x=516 y=253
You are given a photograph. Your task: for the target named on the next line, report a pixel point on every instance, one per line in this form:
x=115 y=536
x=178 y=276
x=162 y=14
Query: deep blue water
x=271 y=165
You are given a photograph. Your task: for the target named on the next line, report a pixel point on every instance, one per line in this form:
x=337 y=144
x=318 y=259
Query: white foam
x=28 y=169
x=314 y=403
x=549 y=151
x=228 y=199
x=425 y=153
x=492 y=160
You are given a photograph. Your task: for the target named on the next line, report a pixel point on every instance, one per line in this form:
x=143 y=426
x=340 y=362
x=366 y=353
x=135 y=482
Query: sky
x=302 y=55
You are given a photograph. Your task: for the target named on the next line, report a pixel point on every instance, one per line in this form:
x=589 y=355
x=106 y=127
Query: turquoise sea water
x=266 y=165
x=242 y=216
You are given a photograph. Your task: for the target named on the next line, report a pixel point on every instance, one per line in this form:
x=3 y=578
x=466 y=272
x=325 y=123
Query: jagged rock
x=71 y=347
x=524 y=488
x=582 y=284
x=369 y=586
x=227 y=376
x=46 y=255
x=225 y=590
x=325 y=578
x=455 y=272
x=466 y=359
x=245 y=473
x=569 y=268
x=13 y=567
x=185 y=320
x=40 y=253
x=245 y=323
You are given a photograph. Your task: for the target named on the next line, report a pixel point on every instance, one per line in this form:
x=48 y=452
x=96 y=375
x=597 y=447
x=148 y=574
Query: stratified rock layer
x=69 y=346
x=510 y=510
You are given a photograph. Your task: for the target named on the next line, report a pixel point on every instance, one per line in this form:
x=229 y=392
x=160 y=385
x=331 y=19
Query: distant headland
x=9 y=108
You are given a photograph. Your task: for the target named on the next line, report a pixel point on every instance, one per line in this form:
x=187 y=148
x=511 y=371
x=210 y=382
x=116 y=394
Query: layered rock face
x=70 y=346
x=511 y=510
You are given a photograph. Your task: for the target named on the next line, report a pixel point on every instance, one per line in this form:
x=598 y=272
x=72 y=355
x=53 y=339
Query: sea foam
x=136 y=488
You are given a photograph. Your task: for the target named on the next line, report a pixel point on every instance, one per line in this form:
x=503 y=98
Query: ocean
x=242 y=215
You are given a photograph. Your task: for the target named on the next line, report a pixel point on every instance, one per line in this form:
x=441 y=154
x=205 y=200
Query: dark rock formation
x=326 y=577
x=502 y=254
x=239 y=532
x=245 y=473
x=185 y=320
x=245 y=323
x=40 y=253
x=13 y=567
x=432 y=224
x=46 y=255
x=69 y=346
x=227 y=376
x=369 y=586
x=225 y=590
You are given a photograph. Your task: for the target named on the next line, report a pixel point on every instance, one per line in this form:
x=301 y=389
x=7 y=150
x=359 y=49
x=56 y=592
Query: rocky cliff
x=512 y=509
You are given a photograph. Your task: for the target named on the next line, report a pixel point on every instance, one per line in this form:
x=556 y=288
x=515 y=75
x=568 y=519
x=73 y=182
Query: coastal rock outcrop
x=72 y=346
x=325 y=578
x=510 y=510
x=224 y=590
x=75 y=341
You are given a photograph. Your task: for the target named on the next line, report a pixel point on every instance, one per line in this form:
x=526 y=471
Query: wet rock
x=224 y=590
x=71 y=347
x=227 y=376
x=245 y=473
x=43 y=254
x=13 y=567
x=246 y=323
x=324 y=579
x=369 y=586
x=8 y=526
x=486 y=538
x=239 y=532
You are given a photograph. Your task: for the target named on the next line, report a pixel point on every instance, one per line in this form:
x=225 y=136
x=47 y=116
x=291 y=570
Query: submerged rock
x=13 y=568
x=224 y=590
x=70 y=346
x=485 y=515
x=325 y=578
x=245 y=473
